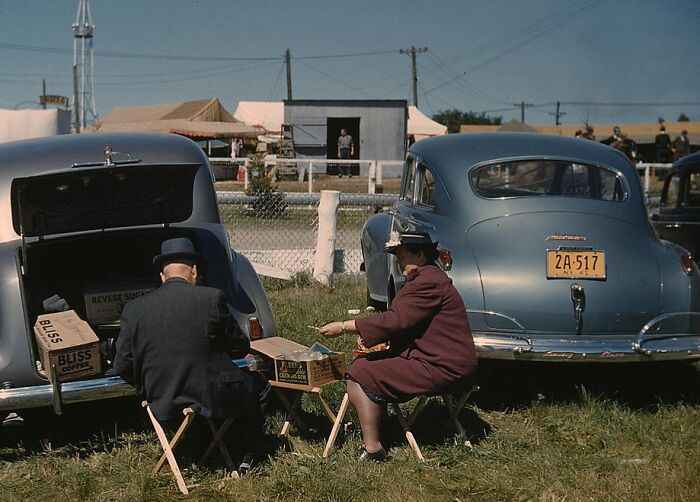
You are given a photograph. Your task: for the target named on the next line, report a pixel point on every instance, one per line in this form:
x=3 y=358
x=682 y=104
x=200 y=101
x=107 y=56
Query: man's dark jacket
x=175 y=346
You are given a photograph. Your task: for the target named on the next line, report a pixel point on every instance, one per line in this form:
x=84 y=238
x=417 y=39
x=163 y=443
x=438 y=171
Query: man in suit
x=176 y=343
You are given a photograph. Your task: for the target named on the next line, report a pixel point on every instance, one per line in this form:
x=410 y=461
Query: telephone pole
x=557 y=114
x=288 y=63
x=522 y=106
x=412 y=52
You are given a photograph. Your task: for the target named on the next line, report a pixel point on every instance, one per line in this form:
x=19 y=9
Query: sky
x=605 y=61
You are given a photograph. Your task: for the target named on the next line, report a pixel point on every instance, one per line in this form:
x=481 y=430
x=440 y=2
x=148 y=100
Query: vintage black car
x=678 y=219
x=83 y=215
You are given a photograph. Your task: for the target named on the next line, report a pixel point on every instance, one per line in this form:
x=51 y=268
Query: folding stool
x=168 y=446
x=453 y=410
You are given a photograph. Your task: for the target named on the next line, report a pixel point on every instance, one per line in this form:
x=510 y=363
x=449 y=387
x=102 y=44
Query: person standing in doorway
x=346 y=150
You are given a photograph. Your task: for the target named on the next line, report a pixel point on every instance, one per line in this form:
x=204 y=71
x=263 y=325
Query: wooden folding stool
x=218 y=434
x=453 y=409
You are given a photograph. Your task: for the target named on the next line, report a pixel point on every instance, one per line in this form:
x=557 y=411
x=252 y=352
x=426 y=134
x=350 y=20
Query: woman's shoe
x=378 y=456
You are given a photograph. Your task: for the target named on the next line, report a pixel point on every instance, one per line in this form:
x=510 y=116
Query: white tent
x=270 y=116
x=266 y=114
x=25 y=124
x=420 y=126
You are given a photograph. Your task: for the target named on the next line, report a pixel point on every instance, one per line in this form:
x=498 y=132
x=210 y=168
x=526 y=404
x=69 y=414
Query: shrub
x=269 y=201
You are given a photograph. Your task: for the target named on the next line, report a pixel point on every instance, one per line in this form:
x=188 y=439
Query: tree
x=455 y=118
x=683 y=118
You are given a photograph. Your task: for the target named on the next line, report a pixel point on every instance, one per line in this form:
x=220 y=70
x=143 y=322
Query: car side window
x=426 y=186
x=409 y=182
x=534 y=177
x=692 y=198
x=670 y=201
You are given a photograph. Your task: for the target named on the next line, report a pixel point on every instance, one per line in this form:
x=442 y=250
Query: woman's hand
x=332 y=329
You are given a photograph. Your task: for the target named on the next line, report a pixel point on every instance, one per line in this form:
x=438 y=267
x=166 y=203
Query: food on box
x=363 y=351
x=297 y=364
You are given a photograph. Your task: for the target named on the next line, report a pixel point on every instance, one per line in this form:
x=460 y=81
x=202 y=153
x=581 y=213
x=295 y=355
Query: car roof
x=688 y=161
x=54 y=153
x=451 y=155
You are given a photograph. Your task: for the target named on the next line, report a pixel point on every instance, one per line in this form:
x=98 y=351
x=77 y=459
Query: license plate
x=565 y=264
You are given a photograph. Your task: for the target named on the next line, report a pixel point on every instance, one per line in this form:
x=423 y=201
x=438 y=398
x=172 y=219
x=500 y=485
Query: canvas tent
x=420 y=126
x=266 y=114
x=25 y=124
x=270 y=116
x=201 y=119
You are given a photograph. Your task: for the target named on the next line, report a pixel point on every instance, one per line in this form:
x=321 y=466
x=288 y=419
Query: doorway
x=333 y=127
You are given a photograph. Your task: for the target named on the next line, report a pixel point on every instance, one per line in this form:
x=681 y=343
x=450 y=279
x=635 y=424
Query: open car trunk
x=95 y=275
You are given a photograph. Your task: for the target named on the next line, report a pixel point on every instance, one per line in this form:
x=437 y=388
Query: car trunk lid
x=515 y=279
x=98 y=198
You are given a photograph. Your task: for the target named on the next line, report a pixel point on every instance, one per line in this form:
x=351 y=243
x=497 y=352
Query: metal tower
x=83 y=91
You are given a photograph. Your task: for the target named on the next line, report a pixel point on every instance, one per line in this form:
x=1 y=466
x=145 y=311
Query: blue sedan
x=548 y=240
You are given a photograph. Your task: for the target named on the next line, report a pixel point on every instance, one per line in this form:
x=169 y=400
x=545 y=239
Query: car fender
x=375 y=233
x=250 y=297
x=681 y=291
x=17 y=366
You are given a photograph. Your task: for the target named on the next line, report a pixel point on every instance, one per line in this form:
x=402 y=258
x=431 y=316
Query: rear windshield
x=546 y=177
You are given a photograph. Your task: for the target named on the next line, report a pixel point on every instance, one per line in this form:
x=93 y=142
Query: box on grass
x=295 y=364
x=104 y=302
x=66 y=341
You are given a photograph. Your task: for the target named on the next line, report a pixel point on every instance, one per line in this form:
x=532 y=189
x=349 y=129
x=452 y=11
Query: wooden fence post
x=325 y=242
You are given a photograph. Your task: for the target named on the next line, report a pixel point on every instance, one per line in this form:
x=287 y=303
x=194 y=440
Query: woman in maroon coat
x=431 y=347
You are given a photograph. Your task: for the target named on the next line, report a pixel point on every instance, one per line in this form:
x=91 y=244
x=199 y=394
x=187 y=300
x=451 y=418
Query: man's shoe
x=378 y=456
x=246 y=464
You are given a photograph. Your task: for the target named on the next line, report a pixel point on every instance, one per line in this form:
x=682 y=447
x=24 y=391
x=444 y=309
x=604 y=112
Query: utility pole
x=43 y=93
x=76 y=100
x=557 y=114
x=412 y=52
x=288 y=62
x=522 y=106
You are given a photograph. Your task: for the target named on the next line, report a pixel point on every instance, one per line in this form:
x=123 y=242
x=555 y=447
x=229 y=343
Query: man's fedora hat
x=178 y=250
x=409 y=239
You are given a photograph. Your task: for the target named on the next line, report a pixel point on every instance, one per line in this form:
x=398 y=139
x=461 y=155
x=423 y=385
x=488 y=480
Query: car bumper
x=659 y=340
x=70 y=392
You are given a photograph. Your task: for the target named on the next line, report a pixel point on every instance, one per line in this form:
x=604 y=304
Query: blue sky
x=619 y=61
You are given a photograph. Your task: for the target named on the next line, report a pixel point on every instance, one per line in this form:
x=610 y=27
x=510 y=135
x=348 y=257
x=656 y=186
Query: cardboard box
x=104 y=303
x=305 y=372
x=66 y=341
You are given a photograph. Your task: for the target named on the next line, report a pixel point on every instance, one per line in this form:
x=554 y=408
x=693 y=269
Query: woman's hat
x=178 y=250
x=409 y=239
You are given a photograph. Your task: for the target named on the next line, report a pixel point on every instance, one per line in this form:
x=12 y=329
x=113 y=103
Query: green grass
x=540 y=432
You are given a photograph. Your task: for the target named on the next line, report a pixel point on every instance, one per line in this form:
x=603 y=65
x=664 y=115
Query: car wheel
x=376 y=304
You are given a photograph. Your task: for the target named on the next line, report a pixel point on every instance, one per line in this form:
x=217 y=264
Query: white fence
x=308 y=169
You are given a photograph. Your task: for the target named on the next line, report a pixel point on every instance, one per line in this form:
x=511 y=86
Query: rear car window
x=547 y=177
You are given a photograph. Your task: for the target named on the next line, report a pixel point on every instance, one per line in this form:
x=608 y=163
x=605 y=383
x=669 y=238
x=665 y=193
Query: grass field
x=540 y=432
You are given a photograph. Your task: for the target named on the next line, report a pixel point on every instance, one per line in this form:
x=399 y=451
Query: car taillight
x=445 y=259
x=254 y=328
x=687 y=263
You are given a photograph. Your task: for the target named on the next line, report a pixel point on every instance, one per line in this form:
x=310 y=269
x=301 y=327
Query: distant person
x=346 y=150
x=662 y=145
x=681 y=145
x=578 y=134
x=615 y=138
x=588 y=133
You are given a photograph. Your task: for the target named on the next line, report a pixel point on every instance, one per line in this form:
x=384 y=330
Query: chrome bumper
x=667 y=337
x=70 y=392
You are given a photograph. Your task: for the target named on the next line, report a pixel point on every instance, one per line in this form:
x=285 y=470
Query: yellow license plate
x=565 y=264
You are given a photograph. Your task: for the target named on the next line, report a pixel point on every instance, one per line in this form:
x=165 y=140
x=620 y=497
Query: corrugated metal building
x=378 y=127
